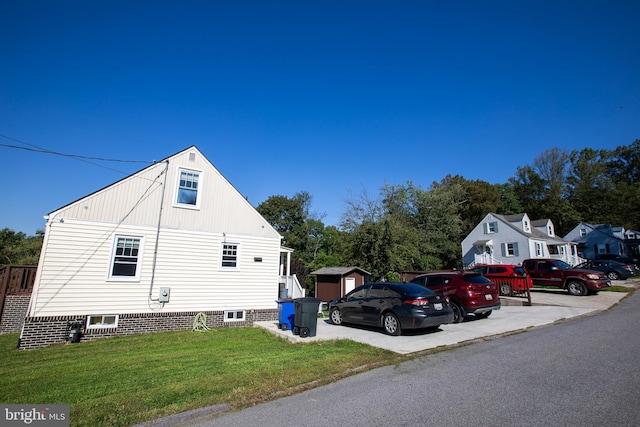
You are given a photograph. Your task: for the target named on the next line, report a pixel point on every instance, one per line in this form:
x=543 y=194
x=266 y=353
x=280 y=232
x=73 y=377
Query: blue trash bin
x=286 y=313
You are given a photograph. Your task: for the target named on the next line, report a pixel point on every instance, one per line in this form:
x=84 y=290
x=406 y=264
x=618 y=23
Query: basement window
x=234 y=315
x=102 y=321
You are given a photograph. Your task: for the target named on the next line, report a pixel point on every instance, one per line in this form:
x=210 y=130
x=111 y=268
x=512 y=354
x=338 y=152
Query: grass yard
x=123 y=381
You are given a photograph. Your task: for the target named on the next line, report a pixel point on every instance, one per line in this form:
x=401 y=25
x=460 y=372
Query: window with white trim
x=538 y=249
x=583 y=232
x=126 y=258
x=527 y=228
x=188 y=193
x=102 y=321
x=234 y=315
x=511 y=249
x=229 y=258
x=491 y=227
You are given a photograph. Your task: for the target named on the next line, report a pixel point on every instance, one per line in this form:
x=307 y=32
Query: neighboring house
x=152 y=251
x=594 y=240
x=335 y=282
x=510 y=239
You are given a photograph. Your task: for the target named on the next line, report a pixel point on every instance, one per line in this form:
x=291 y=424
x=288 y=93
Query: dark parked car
x=392 y=306
x=619 y=258
x=468 y=292
x=613 y=269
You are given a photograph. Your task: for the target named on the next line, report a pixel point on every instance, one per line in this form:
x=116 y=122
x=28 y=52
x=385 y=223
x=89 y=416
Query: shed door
x=349 y=284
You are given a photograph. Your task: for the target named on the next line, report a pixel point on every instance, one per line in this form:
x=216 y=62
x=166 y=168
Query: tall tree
x=19 y=249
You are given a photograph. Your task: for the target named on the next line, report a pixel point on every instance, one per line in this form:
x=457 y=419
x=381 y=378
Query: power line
x=37 y=149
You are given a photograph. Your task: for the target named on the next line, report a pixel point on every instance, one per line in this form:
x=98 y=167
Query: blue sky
x=329 y=97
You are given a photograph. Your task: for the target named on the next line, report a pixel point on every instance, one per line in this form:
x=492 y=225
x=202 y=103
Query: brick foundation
x=13 y=313
x=43 y=331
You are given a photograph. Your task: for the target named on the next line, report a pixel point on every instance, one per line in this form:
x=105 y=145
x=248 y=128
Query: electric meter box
x=164 y=294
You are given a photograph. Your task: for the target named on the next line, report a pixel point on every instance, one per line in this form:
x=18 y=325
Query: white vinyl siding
x=136 y=201
x=72 y=272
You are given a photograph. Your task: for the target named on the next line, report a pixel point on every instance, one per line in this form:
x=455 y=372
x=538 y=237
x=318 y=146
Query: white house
x=152 y=251
x=510 y=239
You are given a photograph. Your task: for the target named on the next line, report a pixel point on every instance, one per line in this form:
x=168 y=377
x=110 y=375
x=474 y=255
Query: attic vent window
x=192 y=157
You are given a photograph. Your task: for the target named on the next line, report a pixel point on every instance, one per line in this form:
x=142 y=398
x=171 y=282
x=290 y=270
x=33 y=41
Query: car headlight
x=593 y=276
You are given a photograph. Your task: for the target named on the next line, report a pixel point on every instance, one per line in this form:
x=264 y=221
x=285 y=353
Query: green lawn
x=123 y=381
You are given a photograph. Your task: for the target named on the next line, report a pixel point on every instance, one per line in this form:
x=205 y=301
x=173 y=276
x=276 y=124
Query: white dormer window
x=550 y=229
x=583 y=232
x=527 y=228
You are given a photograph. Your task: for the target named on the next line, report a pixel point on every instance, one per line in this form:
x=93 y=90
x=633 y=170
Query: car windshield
x=476 y=278
x=563 y=265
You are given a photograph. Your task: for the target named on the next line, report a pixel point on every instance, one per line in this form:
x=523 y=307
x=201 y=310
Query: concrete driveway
x=548 y=306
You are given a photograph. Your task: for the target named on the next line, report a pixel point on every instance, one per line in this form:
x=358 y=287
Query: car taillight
x=447 y=299
x=418 y=302
x=627 y=267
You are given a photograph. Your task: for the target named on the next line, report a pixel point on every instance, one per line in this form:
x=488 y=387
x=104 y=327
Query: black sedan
x=392 y=306
x=614 y=270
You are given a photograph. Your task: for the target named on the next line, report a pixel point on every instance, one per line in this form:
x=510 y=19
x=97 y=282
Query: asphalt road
x=582 y=372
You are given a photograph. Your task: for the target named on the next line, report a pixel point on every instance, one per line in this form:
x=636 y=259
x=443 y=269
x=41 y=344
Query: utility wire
x=74 y=156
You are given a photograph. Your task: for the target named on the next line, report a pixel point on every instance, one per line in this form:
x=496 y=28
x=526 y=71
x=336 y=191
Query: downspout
x=155 y=249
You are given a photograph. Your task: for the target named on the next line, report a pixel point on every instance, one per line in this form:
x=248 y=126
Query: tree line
x=409 y=228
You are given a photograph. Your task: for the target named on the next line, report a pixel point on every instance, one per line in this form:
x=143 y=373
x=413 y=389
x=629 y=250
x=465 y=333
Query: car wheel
x=484 y=315
x=505 y=290
x=336 y=316
x=613 y=275
x=458 y=312
x=577 y=288
x=391 y=324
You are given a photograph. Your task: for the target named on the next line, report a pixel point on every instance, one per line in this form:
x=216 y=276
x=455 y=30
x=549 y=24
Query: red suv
x=509 y=278
x=469 y=293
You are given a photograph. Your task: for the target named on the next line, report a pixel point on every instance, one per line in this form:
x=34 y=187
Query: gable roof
x=147 y=196
x=534 y=233
x=339 y=271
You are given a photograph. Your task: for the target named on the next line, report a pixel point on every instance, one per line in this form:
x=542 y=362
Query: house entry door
x=349 y=284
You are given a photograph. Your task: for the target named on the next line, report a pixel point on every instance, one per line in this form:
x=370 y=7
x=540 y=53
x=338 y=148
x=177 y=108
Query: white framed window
x=538 y=249
x=550 y=230
x=229 y=255
x=126 y=258
x=583 y=232
x=188 y=189
x=234 y=315
x=511 y=249
x=491 y=227
x=527 y=228
x=102 y=321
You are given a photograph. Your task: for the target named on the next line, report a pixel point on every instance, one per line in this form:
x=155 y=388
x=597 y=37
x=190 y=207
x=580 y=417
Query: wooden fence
x=16 y=280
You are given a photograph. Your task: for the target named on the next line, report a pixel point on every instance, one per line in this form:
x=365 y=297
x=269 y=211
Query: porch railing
x=292 y=286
